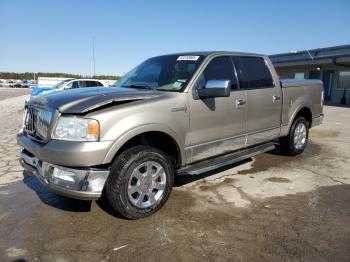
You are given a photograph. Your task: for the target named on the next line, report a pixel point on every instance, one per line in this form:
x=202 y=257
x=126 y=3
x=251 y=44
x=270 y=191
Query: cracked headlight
x=74 y=128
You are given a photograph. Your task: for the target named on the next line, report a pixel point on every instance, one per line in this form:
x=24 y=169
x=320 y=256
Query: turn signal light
x=93 y=128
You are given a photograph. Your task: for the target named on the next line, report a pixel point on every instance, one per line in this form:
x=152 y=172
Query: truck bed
x=300 y=92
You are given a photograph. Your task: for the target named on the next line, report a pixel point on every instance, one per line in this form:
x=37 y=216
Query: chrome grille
x=37 y=122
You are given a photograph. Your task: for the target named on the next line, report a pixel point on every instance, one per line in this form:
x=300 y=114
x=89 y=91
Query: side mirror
x=215 y=88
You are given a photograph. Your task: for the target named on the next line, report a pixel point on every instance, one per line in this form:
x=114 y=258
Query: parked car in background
x=66 y=85
x=9 y=83
x=27 y=84
x=17 y=85
x=175 y=114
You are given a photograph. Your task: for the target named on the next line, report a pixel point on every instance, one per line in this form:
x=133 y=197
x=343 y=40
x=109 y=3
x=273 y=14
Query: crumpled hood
x=83 y=100
x=41 y=90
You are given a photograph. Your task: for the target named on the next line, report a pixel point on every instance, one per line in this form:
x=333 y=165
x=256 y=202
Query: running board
x=224 y=160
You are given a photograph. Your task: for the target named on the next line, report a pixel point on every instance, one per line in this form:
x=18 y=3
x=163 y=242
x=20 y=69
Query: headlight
x=76 y=129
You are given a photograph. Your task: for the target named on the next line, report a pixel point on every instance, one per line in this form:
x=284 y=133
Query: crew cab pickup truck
x=174 y=114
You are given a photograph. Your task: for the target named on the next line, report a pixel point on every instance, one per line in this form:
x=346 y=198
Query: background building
x=331 y=65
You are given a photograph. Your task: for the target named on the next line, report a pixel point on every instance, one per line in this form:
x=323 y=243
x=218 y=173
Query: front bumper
x=83 y=183
x=67 y=153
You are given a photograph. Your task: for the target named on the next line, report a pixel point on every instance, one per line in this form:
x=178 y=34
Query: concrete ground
x=271 y=208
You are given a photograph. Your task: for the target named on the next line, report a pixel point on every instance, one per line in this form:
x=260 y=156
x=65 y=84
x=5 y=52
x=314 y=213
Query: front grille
x=37 y=122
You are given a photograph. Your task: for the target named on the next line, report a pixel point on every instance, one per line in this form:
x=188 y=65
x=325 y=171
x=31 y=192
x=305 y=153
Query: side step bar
x=224 y=160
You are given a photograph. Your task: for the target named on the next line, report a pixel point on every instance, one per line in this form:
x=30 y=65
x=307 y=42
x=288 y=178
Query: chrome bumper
x=85 y=183
x=318 y=120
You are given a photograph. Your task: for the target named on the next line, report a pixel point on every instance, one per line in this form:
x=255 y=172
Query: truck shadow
x=64 y=203
x=53 y=200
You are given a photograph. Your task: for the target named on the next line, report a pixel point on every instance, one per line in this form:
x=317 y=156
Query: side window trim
x=232 y=58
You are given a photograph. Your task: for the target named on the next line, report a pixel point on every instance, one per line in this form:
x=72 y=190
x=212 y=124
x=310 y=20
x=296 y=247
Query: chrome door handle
x=276 y=98
x=240 y=103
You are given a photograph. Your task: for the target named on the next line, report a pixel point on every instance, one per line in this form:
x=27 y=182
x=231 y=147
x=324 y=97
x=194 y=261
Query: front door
x=264 y=99
x=217 y=125
x=327 y=79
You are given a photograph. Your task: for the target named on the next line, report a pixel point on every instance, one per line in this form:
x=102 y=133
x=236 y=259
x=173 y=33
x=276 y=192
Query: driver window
x=69 y=86
x=75 y=84
x=220 y=68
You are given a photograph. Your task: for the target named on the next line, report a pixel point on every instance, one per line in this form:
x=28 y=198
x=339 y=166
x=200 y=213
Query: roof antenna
x=309 y=54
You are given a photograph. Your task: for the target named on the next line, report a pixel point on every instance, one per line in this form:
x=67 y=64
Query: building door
x=327 y=84
x=315 y=74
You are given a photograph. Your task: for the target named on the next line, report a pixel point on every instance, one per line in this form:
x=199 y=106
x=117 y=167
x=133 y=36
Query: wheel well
x=305 y=112
x=159 y=140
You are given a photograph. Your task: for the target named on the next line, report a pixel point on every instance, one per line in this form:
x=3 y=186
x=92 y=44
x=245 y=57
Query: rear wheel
x=297 y=139
x=140 y=182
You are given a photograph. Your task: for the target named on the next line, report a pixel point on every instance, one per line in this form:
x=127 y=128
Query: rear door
x=264 y=99
x=217 y=125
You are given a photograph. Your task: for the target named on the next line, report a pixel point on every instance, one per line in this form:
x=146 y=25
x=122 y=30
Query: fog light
x=63 y=175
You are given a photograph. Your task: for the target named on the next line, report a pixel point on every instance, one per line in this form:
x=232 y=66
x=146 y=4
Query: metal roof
x=331 y=53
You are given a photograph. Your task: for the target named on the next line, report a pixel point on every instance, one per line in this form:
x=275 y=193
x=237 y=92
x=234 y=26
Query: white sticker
x=188 y=58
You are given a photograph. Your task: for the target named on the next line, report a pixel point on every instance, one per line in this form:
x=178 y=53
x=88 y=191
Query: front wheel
x=140 y=182
x=296 y=141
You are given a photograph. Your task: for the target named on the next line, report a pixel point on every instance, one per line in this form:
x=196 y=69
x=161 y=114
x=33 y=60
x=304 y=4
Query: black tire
x=287 y=144
x=118 y=180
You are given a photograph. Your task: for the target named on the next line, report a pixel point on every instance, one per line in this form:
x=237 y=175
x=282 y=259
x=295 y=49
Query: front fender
x=143 y=129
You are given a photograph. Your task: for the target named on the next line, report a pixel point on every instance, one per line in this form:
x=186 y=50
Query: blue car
x=65 y=85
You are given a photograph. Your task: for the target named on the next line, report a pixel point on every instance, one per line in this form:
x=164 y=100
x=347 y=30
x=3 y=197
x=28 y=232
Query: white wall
x=108 y=82
x=49 y=81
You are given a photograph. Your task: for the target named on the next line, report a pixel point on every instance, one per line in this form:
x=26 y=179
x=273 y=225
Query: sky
x=57 y=36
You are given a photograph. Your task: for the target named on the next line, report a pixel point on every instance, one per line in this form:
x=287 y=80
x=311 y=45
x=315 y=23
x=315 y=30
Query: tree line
x=29 y=75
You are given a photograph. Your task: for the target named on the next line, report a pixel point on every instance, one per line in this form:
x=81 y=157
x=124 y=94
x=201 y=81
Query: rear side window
x=253 y=72
x=83 y=84
x=221 y=68
x=95 y=83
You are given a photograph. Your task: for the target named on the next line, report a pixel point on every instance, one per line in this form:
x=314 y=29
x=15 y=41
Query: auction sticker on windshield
x=188 y=58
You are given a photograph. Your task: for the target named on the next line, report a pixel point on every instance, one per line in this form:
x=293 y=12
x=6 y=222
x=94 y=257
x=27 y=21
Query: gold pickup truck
x=175 y=114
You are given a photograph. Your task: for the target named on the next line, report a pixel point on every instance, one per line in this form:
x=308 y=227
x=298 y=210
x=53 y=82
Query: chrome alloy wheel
x=300 y=136
x=147 y=184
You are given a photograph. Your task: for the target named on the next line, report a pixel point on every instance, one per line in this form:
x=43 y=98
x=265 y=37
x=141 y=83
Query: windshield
x=61 y=84
x=168 y=73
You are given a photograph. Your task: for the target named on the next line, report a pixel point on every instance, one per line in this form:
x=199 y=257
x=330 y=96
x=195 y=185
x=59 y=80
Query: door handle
x=276 y=98
x=240 y=103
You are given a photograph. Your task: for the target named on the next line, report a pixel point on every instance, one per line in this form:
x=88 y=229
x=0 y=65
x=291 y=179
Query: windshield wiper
x=139 y=86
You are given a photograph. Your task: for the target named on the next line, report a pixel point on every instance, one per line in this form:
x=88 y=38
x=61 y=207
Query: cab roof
x=207 y=53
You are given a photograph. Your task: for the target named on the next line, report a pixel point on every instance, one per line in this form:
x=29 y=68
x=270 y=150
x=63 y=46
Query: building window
x=299 y=75
x=344 y=80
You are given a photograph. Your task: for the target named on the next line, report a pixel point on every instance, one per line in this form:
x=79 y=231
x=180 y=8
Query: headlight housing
x=72 y=128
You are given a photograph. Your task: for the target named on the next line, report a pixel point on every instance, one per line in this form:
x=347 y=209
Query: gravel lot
x=273 y=208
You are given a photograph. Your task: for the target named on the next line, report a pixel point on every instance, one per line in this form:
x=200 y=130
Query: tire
x=139 y=169
x=289 y=144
